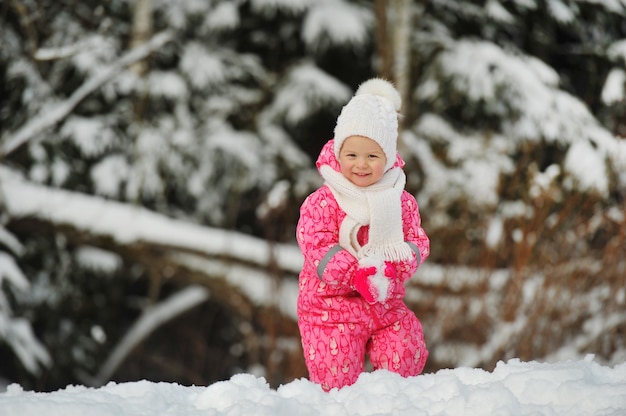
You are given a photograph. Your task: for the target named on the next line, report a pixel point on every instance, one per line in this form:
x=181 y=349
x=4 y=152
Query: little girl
x=361 y=238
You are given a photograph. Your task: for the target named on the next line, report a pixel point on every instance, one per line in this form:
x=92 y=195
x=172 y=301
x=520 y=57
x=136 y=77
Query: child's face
x=362 y=160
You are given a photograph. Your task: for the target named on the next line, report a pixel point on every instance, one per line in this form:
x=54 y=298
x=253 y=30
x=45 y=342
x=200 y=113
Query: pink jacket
x=328 y=268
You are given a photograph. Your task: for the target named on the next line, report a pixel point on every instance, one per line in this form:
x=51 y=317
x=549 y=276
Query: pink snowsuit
x=337 y=326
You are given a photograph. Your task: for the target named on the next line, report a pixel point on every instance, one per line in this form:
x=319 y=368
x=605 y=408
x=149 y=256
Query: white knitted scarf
x=378 y=205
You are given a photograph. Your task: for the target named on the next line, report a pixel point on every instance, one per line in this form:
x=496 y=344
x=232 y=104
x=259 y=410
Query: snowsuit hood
x=327 y=157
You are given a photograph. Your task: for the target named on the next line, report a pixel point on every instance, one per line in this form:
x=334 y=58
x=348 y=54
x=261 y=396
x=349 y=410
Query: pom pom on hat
x=382 y=88
x=372 y=113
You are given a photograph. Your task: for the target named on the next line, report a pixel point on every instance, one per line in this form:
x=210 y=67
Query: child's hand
x=371 y=279
x=362 y=284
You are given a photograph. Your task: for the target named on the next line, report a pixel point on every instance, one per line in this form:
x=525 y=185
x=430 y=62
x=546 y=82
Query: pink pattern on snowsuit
x=337 y=326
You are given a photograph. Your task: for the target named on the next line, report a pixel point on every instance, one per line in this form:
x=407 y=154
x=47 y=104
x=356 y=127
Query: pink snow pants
x=344 y=329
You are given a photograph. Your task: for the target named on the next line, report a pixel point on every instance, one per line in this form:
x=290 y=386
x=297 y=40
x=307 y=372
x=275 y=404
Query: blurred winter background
x=154 y=153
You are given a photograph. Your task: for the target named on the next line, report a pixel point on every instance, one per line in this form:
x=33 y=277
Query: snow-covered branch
x=17 y=332
x=151 y=319
x=126 y=225
x=50 y=116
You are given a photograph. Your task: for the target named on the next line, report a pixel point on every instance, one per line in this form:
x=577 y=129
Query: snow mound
x=513 y=388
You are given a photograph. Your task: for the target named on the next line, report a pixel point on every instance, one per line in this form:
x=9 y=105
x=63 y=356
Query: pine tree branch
x=48 y=117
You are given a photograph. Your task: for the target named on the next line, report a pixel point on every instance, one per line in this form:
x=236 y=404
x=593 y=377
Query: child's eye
x=373 y=156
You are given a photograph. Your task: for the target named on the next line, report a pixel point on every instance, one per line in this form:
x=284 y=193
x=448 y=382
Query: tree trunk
x=401 y=39
x=142 y=31
x=383 y=45
x=393 y=42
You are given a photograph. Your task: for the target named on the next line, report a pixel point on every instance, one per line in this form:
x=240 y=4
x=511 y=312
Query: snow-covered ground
x=513 y=388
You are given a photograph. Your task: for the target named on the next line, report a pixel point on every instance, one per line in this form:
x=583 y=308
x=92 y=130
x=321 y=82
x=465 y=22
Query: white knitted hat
x=372 y=113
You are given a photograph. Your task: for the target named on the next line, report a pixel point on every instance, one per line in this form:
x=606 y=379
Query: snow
x=167 y=84
x=494 y=232
x=542 y=181
x=613 y=90
x=52 y=112
x=276 y=197
x=513 y=388
x=269 y=7
x=306 y=90
x=561 y=12
x=202 y=69
x=15 y=331
x=10 y=242
x=225 y=16
x=135 y=224
x=475 y=173
x=97 y=259
x=496 y=11
x=129 y=224
x=617 y=51
x=615 y=6
x=588 y=167
x=94 y=53
x=10 y=271
x=90 y=135
x=504 y=83
x=343 y=22
x=108 y=175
